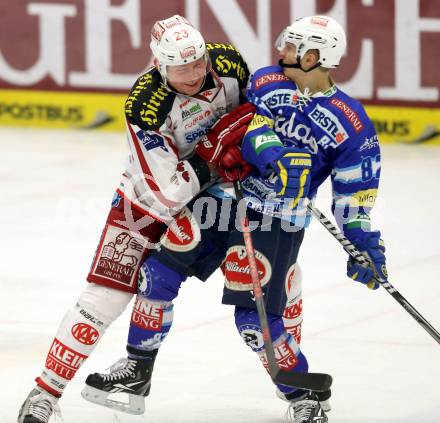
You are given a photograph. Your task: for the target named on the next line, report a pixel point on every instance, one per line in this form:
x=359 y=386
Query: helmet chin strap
x=297 y=65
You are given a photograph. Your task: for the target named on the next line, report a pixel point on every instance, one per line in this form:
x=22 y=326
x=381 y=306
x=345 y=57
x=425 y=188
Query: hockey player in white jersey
x=171 y=106
x=305 y=130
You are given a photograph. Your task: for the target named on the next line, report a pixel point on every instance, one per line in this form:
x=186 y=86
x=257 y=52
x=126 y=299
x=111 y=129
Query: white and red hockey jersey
x=164 y=126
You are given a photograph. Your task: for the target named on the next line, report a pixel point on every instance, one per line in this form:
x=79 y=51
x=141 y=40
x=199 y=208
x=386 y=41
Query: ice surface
x=57 y=188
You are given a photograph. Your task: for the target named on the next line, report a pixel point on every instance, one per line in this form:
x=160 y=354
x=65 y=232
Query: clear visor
x=280 y=41
x=287 y=37
x=190 y=72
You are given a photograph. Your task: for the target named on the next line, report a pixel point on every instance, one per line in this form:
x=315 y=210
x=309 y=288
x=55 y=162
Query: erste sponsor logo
x=329 y=123
x=280 y=98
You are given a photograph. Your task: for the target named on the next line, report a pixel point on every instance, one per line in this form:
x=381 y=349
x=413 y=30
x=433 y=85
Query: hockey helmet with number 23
x=174 y=42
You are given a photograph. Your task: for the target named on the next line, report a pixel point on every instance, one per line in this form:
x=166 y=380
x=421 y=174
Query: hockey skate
x=38 y=407
x=306 y=410
x=127 y=376
x=324 y=398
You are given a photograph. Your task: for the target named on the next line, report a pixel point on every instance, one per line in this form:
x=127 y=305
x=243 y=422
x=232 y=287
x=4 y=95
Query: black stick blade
x=318 y=382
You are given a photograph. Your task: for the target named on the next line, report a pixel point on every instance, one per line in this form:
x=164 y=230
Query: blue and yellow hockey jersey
x=333 y=127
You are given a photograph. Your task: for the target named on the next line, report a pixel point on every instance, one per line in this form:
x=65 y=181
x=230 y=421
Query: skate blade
x=136 y=404
x=325 y=405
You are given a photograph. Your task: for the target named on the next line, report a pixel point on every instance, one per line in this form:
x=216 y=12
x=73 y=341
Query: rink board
x=104 y=111
x=51 y=109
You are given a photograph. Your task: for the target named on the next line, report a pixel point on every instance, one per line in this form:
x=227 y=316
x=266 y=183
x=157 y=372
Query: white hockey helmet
x=316 y=32
x=174 y=41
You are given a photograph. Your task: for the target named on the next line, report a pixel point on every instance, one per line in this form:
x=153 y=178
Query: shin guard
x=78 y=334
x=287 y=352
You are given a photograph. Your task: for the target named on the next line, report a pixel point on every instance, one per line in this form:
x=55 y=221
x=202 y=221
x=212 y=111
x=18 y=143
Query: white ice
x=56 y=190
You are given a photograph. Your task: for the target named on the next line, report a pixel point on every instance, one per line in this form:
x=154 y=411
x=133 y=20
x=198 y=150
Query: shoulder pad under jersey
x=228 y=62
x=149 y=101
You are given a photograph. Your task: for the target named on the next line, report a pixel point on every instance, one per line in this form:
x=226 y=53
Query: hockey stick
x=318 y=382
x=428 y=134
x=354 y=252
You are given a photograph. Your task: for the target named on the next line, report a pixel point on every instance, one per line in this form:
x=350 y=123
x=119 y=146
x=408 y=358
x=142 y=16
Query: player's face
x=288 y=53
x=188 y=79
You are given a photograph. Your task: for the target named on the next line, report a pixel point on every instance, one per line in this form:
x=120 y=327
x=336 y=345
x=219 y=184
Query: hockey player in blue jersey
x=304 y=130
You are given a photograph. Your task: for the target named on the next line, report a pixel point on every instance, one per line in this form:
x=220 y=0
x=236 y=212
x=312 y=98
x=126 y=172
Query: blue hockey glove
x=373 y=248
x=292 y=167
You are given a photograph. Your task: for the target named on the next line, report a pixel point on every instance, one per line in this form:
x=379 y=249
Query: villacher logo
x=237 y=271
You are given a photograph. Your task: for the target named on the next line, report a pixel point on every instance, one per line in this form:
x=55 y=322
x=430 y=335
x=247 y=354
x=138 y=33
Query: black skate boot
x=306 y=410
x=38 y=407
x=127 y=376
